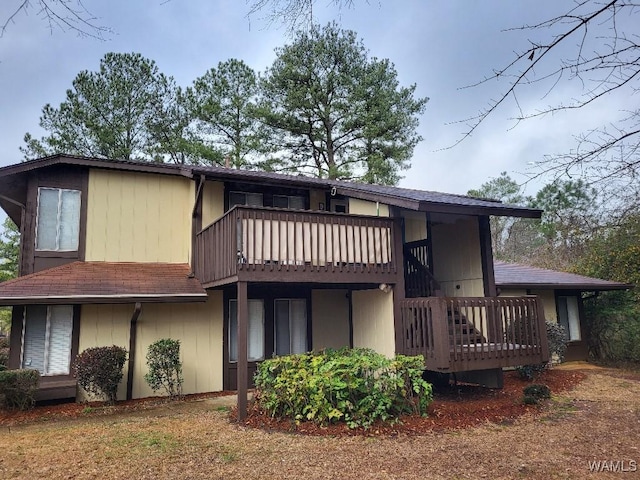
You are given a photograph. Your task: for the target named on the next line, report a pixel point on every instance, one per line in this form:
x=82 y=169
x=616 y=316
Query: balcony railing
x=273 y=245
x=462 y=334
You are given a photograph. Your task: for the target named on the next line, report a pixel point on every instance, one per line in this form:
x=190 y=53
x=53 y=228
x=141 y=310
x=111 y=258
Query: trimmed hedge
x=165 y=367
x=356 y=386
x=18 y=388
x=99 y=370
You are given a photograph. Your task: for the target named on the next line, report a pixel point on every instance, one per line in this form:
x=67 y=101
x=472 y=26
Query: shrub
x=534 y=393
x=18 y=388
x=165 y=367
x=357 y=386
x=99 y=370
x=4 y=353
x=557 y=340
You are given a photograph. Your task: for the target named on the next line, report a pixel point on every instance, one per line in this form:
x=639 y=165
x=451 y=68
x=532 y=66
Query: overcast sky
x=441 y=46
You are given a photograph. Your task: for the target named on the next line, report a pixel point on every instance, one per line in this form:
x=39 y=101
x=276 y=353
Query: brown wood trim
x=133 y=335
x=486 y=256
x=15 y=338
x=398 y=291
x=242 y=364
x=479 y=210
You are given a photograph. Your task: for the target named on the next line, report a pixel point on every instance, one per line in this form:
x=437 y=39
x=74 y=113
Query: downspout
x=133 y=331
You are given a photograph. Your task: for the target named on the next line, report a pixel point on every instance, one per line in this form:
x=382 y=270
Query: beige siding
x=212 y=202
x=457 y=263
x=373 y=321
x=330 y=319
x=136 y=217
x=548 y=298
x=415 y=226
x=198 y=326
x=363 y=207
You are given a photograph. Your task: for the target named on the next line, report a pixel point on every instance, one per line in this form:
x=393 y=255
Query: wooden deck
x=464 y=334
x=274 y=245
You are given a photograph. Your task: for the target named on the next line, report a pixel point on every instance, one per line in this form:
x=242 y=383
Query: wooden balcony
x=464 y=334
x=273 y=245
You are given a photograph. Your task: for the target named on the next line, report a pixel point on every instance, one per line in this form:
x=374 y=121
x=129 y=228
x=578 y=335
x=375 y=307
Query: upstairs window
x=58 y=220
x=288 y=201
x=245 y=198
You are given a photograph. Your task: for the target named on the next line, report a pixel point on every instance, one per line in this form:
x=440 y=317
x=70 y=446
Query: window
x=245 y=198
x=290 y=326
x=289 y=201
x=569 y=316
x=58 y=221
x=46 y=341
x=255 y=340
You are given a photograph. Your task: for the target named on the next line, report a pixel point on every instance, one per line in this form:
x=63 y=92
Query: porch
x=274 y=245
x=457 y=334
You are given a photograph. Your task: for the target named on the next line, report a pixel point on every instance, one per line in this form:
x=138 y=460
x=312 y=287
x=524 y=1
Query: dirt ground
x=597 y=420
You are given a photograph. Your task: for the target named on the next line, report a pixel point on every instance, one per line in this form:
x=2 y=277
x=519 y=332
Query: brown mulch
x=47 y=411
x=453 y=407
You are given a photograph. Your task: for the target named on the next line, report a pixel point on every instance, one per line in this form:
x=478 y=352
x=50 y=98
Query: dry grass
x=599 y=420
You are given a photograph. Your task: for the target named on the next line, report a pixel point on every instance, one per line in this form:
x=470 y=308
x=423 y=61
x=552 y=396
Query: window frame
x=58 y=219
x=275 y=325
x=574 y=324
x=230 y=329
x=47 y=341
x=289 y=197
x=240 y=192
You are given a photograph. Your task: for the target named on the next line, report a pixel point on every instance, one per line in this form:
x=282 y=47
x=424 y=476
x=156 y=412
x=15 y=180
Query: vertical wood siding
x=198 y=326
x=364 y=207
x=212 y=202
x=330 y=319
x=135 y=217
x=373 y=321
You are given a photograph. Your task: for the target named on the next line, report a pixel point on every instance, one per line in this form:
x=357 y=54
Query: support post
x=243 y=367
x=398 y=291
x=133 y=333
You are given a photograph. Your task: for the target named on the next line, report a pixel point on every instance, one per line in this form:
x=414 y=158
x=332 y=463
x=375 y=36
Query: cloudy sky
x=441 y=46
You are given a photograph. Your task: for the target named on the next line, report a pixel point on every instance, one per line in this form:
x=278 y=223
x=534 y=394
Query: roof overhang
x=105 y=282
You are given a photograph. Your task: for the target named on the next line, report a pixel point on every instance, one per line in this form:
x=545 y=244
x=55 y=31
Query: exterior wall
x=373 y=321
x=212 y=202
x=457 y=263
x=363 y=207
x=548 y=298
x=198 y=326
x=316 y=197
x=415 y=226
x=329 y=319
x=138 y=217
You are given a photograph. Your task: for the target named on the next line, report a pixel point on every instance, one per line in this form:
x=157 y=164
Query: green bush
x=99 y=370
x=165 y=367
x=357 y=386
x=557 y=340
x=534 y=393
x=4 y=353
x=18 y=388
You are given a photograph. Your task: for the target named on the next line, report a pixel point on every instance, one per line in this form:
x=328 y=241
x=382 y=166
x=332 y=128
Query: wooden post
x=243 y=367
x=441 y=334
x=398 y=291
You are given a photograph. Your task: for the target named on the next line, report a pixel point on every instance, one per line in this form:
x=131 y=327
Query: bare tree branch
x=65 y=15
x=293 y=14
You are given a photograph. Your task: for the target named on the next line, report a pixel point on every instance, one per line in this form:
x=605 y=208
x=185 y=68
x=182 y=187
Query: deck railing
x=266 y=244
x=460 y=334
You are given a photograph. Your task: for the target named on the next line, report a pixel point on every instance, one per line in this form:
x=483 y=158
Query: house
x=240 y=266
x=562 y=295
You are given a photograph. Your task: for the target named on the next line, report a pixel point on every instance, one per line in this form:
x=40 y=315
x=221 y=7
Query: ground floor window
x=46 y=338
x=569 y=316
x=255 y=340
x=290 y=326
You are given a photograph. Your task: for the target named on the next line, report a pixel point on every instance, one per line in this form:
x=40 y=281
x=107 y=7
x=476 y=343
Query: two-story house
x=240 y=266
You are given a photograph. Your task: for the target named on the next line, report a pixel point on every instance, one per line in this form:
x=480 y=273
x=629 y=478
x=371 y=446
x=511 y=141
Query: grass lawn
x=598 y=420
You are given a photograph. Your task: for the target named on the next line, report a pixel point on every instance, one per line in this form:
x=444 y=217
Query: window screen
x=47 y=339
x=245 y=198
x=58 y=219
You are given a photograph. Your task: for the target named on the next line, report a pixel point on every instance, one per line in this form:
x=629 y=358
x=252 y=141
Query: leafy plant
x=534 y=393
x=557 y=339
x=99 y=370
x=357 y=386
x=18 y=388
x=4 y=353
x=165 y=367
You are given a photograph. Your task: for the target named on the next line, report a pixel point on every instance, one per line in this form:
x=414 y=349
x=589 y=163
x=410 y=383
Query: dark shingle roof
x=402 y=197
x=104 y=282
x=523 y=276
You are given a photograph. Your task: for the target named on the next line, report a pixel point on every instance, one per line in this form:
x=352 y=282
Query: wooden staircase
x=461 y=330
